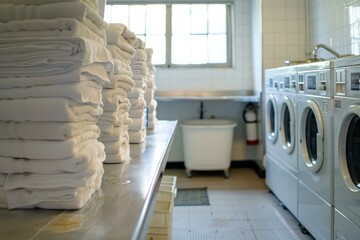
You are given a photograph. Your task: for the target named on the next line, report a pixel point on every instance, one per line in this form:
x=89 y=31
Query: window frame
x=168 y=32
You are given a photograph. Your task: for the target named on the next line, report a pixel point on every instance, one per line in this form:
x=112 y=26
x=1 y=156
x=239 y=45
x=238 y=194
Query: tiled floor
x=241 y=207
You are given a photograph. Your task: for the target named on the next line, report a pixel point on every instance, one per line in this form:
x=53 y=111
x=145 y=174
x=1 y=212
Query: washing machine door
x=349 y=148
x=272 y=118
x=312 y=136
x=287 y=125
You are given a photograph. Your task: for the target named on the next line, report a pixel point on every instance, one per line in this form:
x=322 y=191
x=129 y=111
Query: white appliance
x=347 y=149
x=272 y=142
x=315 y=153
x=287 y=152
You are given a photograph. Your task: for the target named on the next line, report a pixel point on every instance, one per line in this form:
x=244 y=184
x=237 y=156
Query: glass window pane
x=137 y=19
x=217 y=48
x=199 y=49
x=157 y=43
x=198 y=18
x=107 y=13
x=120 y=14
x=155 y=19
x=181 y=19
x=217 y=18
x=180 y=49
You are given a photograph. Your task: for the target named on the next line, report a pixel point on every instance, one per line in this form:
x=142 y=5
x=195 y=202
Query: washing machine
x=347 y=149
x=272 y=143
x=286 y=149
x=315 y=153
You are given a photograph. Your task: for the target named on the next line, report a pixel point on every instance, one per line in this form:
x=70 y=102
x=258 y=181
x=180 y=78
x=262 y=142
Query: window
x=180 y=34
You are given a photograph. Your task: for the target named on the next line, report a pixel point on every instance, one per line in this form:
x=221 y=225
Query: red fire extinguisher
x=250 y=119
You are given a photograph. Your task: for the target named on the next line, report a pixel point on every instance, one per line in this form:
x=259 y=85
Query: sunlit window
x=194 y=35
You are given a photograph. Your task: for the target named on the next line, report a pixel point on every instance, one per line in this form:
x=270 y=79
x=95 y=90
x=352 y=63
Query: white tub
x=207 y=144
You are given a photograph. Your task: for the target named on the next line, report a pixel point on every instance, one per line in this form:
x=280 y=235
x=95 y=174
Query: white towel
x=93 y=72
x=115 y=135
x=78 y=163
x=137 y=136
x=140 y=84
x=119 y=30
x=122 y=68
x=60 y=27
x=149 y=95
x=41 y=149
x=137 y=123
x=49 y=56
x=81 y=92
x=136 y=113
x=119 y=53
x=115 y=79
x=68 y=198
x=113 y=95
x=35 y=181
x=152 y=124
x=48 y=109
x=139 y=44
x=152 y=105
x=136 y=93
x=93 y=4
x=123 y=44
x=45 y=130
x=141 y=105
x=140 y=55
x=77 y=10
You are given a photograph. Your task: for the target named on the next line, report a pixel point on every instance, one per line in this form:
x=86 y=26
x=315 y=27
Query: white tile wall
x=284 y=32
x=335 y=23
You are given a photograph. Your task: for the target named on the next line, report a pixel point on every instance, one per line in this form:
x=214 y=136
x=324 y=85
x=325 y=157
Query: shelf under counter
x=233 y=95
x=121 y=209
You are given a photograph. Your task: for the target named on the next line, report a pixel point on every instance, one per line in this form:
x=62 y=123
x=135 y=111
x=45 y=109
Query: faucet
x=332 y=51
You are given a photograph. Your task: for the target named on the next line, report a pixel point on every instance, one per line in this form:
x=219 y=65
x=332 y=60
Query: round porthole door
x=312 y=136
x=287 y=125
x=349 y=148
x=272 y=121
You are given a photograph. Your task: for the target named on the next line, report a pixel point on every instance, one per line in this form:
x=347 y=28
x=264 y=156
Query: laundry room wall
x=334 y=23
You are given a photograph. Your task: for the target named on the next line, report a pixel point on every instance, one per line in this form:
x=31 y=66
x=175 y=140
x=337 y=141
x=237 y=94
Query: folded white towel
x=93 y=72
x=59 y=27
x=45 y=130
x=78 y=163
x=137 y=136
x=149 y=95
x=122 y=68
x=48 y=109
x=41 y=149
x=81 y=92
x=49 y=56
x=140 y=55
x=117 y=30
x=122 y=156
x=35 y=181
x=152 y=124
x=119 y=53
x=77 y=10
x=139 y=44
x=117 y=78
x=123 y=44
x=138 y=123
x=141 y=104
x=136 y=93
x=67 y=198
x=140 y=84
x=115 y=135
x=93 y=4
x=152 y=105
x=136 y=113
x=113 y=95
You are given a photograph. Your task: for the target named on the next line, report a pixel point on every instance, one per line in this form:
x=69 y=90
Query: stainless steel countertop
x=236 y=95
x=120 y=210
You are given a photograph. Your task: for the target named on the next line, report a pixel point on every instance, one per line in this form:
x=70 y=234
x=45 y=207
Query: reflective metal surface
x=120 y=210
x=236 y=95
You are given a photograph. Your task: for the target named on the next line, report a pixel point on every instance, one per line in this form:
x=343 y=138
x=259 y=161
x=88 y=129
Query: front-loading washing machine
x=347 y=149
x=286 y=151
x=315 y=153
x=272 y=143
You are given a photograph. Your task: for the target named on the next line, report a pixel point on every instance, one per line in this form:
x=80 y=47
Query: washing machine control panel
x=347 y=82
x=315 y=83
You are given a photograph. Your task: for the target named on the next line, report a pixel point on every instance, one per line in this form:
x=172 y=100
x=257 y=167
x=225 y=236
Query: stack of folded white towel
x=114 y=122
x=53 y=65
x=137 y=129
x=151 y=103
